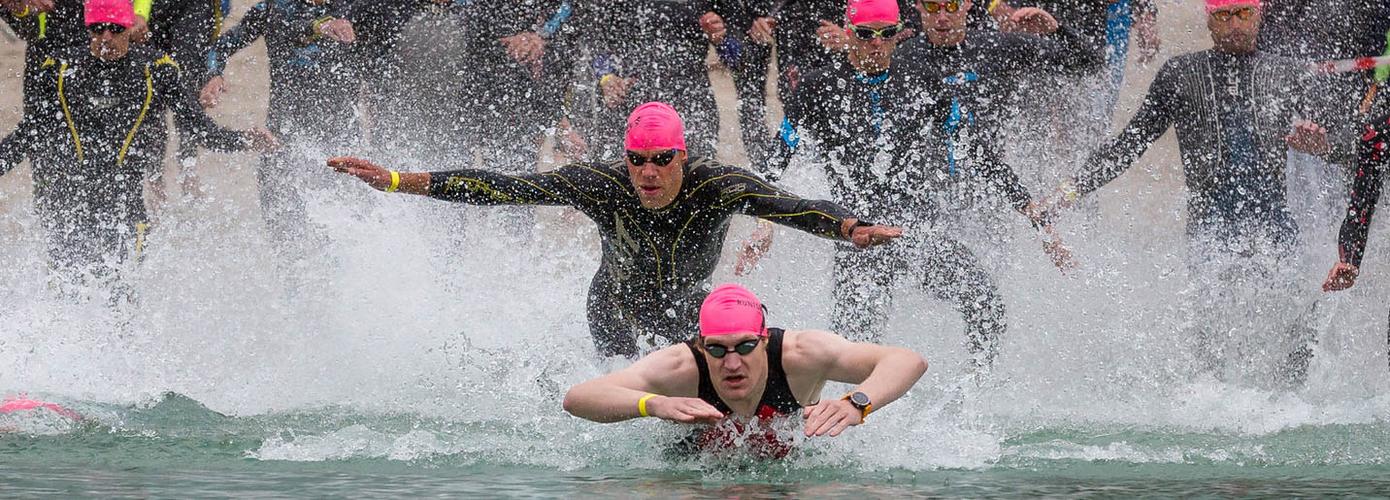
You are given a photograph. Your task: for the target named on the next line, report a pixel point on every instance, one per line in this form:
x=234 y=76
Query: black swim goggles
x=932 y=7
x=866 y=33
x=659 y=159
x=99 y=28
x=718 y=351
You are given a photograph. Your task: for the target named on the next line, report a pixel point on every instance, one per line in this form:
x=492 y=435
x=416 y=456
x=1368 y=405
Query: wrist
x=851 y=224
x=607 y=77
x=395 y=182
x=644 y=404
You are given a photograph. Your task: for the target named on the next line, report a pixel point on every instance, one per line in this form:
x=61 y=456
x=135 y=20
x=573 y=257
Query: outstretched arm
x=659 y=385
x=471 y=186
x=753 y=196
x=1149 y=123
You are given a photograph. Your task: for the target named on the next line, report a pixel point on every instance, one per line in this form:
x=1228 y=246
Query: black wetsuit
x=1373 y=160
x=656 y=263
x=185 y=30
x=97 y=129
x=414 y=65
x=44 y=35
x=747 y=61
x=313 y=91
x=778 y=401
x=661 y=45
x=1232 y=113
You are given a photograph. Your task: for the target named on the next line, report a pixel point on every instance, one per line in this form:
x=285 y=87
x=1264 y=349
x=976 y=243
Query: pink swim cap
x=655 y=125
x=110 y=11
x=1221 y=4
x=872 y=11
x=731 y=309
x=25 y=404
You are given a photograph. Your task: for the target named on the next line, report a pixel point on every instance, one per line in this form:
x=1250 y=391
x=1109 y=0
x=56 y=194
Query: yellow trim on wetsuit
x=169 y=60
x=141 y=228
x=43 y=25
x=217 y=18
x=67 y=114
x=149 y=97
x=142 y=8
x=576 y=189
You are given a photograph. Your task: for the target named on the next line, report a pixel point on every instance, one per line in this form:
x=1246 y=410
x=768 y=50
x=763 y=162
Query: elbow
x=570 y=402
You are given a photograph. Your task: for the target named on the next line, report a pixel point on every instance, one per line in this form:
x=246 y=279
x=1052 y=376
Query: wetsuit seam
x=130 y=137
x=67 y=112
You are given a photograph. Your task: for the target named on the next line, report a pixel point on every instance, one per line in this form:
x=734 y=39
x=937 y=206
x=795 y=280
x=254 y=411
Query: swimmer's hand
x=614 y=90
x=868 y=236
x=379 y=177
x=1030 y=20
x=831 y=417
x=211 y=94
x=140 y=31
x=260 y=139
x=761 y=31
x=1309 y=137
x=683 y=410
x=526 y=47
x=339 y=30
x=1341 y=277
x=832 y=36
x=714 y=27
x=754 y=248
x=1058 y=252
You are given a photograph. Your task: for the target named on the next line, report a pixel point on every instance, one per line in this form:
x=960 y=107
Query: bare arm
x=883 y=373
x=668 y=376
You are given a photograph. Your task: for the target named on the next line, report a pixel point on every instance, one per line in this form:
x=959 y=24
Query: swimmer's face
x=656 y=185
x=109 y=41
x=1234 y=27
x=737 y=377
x=873 y=55
x=944 y=20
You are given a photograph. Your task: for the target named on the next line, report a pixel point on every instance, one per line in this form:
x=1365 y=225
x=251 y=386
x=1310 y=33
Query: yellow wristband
x=993 y=5
x=604 y=80
x=24 y=14
x=395 y=182
x=642 y=404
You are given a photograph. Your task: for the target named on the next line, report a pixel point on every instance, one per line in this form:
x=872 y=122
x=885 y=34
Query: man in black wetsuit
x=313 y=92
x=743 y=376
x=741 y=32
x=1237 y=113
x=96 y=130
x=867 y=117
x=662 y=215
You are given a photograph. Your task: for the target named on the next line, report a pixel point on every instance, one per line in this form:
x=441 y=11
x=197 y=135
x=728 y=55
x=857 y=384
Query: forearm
x=1365 y=193
x=893 y=376
x=819 y=217
x=604 y=403
x=483 y=187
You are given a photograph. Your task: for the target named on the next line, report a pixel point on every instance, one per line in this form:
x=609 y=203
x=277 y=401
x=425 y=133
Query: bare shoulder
x=804 y=348
x=672 y=371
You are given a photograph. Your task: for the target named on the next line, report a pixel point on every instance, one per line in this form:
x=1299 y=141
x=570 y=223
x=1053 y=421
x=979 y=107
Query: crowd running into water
x=906 y=104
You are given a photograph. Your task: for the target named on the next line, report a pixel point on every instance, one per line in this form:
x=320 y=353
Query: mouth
x=735 y=380
x=649 y=190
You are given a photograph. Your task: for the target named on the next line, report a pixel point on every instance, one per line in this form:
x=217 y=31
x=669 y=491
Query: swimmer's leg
x=612 y=335
x=953 y=274
x=863 y=292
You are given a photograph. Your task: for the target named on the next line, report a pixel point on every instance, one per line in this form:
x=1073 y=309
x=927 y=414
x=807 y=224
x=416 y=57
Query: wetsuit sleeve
x=1149 y=123
x=1372 y=163
x=252 y=27
x=1067 y=50
x=13 y=146
x=26 y=27
x=788 y=139
x=748 y=194
x=189 y=114
x=1003 y=177
x=484 y=187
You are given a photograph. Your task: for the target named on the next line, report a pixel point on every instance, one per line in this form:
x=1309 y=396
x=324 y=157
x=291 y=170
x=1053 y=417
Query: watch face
x=859 y=399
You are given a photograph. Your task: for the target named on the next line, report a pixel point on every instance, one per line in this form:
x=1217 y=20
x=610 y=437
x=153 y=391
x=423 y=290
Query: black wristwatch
x=861 y=401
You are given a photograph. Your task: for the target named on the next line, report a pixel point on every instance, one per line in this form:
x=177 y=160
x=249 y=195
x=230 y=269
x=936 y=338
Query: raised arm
x=660 y=385
x=748 y=194
x=252 y=27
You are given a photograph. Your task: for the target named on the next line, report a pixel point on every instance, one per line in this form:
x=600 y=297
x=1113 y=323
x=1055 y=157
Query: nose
x=731 y=361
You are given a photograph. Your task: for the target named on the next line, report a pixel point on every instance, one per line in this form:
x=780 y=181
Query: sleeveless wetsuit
x=777 y=401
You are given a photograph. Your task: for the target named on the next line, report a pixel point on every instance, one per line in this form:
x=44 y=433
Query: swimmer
x=738 y=368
